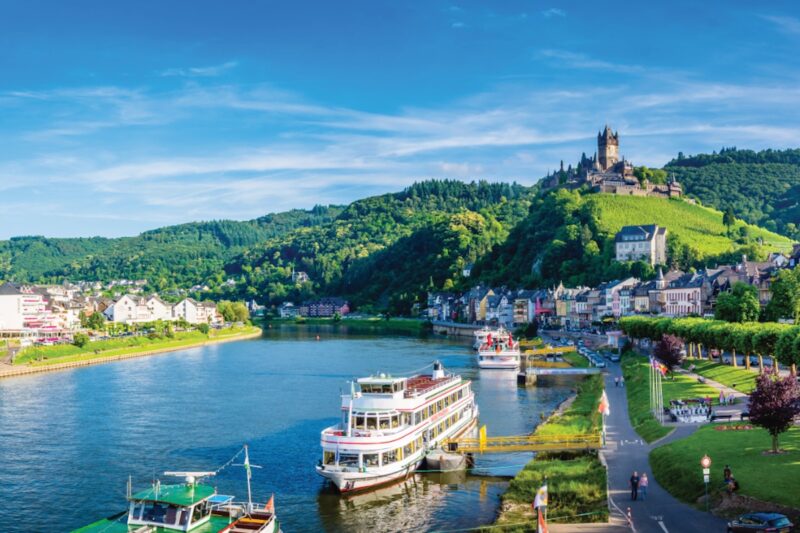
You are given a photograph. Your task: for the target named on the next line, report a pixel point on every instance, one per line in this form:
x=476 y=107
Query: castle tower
x=607 y=148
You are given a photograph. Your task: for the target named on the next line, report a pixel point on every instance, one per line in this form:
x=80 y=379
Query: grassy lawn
x=67 y=353
x=738 y=378
x=576 y=481
x=636 y=371
x=576 y=360
x=765 y=477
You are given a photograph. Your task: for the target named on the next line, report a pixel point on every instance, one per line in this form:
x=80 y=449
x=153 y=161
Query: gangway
x=524 y=443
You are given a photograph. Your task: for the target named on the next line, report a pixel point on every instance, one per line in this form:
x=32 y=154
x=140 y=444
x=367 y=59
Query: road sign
x=705 y=462
x=705 y=478
x=706 y=471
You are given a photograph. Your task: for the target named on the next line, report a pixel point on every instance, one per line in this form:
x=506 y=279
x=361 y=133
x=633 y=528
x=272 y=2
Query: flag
x=541 y=497
x=663 y=369
x=603 y=408
x=542 y=523
x=270 y=507
x=247 y=466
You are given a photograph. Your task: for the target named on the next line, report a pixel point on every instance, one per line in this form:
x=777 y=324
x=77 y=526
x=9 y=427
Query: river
x=70 y=439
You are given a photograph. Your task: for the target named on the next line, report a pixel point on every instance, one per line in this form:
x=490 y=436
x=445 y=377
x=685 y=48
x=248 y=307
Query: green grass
x=635 y=368
x=771 y=478
x=576 y=481
x=576 y=360
x=699 y=227
x=67 y=353
x=740 y=379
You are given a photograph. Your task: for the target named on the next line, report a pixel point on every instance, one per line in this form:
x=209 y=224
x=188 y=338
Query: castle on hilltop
x=606 y=172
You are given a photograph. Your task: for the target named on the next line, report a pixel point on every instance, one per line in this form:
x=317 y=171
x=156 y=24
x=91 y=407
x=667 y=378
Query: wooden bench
x=744 y=415
x=720 y=417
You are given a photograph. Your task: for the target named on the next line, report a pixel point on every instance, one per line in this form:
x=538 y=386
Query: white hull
x=501 y=361
x=351 y=480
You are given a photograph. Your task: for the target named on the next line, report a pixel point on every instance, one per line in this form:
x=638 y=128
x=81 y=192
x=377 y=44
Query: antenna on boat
x=247 y=466
x=129 y=489
x=350 y=409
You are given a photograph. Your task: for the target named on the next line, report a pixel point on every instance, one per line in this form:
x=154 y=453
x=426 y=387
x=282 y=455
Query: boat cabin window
x=348 y=459
x=370 y=459
x=372 y=422
x=389 y=457
x=382 y=388
x=328 y=458
x=199 y=512
x=384 y=422
x=155 y=512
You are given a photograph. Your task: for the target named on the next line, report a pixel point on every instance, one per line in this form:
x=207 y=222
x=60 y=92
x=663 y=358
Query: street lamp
x=705 y=462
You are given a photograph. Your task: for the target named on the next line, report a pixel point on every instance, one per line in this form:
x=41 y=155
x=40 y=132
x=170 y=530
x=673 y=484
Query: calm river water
x=69 y=440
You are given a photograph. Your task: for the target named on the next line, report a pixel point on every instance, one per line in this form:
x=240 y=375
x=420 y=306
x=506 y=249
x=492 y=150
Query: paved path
x=626 y=452
x=736 y=409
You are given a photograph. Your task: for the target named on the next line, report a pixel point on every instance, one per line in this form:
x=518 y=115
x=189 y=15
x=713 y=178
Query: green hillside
x=699 y=227
x=174 y=256
x=568 y=236
x=761 y=187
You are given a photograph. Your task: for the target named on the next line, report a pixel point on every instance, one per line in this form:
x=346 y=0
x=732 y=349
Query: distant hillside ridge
x=760 y=187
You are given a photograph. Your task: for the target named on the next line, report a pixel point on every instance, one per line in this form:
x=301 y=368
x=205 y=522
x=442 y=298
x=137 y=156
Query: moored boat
x=390 y=423
x=189 y=506
x=499 y=352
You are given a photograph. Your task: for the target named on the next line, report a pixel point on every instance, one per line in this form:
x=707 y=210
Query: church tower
x=607 y=149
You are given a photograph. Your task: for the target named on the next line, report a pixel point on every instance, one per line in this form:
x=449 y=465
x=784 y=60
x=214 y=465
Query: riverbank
x=576 y=480
x=48 y=359
x=410 y=326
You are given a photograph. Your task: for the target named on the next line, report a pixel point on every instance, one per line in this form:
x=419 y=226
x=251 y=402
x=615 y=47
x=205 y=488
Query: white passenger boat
x=390 y=423
x=499 y=353
x=486 y=334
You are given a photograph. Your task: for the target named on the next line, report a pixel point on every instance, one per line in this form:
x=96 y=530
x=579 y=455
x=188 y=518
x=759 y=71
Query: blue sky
x=117 y=117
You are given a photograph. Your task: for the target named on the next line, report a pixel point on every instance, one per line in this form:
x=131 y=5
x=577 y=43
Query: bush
x=203 y=328
x=80 y=339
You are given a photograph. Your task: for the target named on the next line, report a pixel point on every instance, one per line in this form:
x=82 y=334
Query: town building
x=324 y=307
x=642 y=243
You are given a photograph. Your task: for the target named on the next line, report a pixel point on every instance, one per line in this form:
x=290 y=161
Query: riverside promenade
x=10 y=371
x=625 y=453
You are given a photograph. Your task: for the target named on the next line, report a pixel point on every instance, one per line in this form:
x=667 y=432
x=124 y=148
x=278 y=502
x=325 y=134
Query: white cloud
x=458 y=25
x=554 y=12
x=193 y=72
x=784 y=24
x=583 y=61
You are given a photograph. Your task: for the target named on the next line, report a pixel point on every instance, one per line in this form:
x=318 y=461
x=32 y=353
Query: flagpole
x=247 y=468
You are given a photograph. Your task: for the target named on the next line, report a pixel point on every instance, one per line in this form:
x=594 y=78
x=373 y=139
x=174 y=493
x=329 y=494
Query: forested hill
x=569 y=237
x=385 y=251
x=761 y=187
x=174 y=256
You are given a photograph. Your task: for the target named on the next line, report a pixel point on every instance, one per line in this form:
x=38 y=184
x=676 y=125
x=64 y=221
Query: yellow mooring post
x=482 y=439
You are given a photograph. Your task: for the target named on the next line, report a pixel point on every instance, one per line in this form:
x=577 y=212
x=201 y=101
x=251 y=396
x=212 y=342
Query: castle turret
x=607 y=148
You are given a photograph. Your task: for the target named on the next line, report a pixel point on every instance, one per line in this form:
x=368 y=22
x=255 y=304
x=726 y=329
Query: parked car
x=760 y=522
x=614 y=358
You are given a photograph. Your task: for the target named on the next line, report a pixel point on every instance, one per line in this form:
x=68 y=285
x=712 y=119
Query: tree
x=740 y=304
x=774 y=404
x=203 y=328
x=668 y=350
x=96 y=321
x=729 y=219
x=785 y=302
x=80 y=339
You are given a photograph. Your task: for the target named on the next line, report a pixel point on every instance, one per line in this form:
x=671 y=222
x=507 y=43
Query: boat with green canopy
x=192 y=506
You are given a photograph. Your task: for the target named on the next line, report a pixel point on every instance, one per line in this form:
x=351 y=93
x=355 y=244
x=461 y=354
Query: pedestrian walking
x=616 y=382
x=634 y=485
x=726 y=474
x=622 y=381
x=643 y=482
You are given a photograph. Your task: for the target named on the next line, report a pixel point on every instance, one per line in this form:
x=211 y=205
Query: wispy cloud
x=784 y=23
x=553 y=12
x=194 y=72
x=583 y=61
x=458 y=25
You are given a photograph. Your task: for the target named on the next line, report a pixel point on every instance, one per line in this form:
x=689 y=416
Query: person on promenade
x=616 y=382
x=726 y=474
x=634 y=486
x=622 y=381
x=643 y=482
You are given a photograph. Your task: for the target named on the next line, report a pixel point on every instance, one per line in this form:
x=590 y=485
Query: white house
x=10 y=308
x=195 y=312
x=158 y=308
x=129 y=309
x=642 y=243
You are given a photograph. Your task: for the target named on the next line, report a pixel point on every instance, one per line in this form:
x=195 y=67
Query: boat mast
x=350 y=410
x=249 y=491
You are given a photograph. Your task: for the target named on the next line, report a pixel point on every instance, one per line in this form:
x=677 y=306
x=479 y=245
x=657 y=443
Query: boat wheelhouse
x=390 y=423
x=486 y=334
x=189 y=506
x=499 y=352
